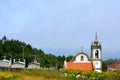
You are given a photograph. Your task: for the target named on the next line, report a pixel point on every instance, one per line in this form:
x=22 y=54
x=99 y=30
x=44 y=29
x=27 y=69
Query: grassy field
x=32 y=75
x=57 y=75
x=92 y=75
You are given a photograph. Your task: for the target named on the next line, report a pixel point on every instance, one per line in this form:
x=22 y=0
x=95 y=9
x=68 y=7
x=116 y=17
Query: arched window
x=82 y=58
x=96 y=54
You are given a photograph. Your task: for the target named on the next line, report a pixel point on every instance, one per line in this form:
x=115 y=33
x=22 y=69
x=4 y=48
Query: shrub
x=84 y=75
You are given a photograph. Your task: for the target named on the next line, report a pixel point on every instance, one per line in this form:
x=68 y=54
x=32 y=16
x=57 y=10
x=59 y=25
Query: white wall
x=5 y=64
x=31 y=66
x=97 y=64
x=94 y=53
x=15 y=65
x=78 y=58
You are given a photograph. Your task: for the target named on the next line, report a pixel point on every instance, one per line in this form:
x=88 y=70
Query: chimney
x=4 y=58
x=13 y=60
x=24 y=60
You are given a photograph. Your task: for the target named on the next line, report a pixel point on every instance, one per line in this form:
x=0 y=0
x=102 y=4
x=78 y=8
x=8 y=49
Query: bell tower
x=96 y=54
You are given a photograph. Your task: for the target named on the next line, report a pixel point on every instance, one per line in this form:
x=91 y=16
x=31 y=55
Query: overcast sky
x=63 y=26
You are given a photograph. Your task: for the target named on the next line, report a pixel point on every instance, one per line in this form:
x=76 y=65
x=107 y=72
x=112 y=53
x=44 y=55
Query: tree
x=12 y=49
x=4 y=38
x=1 y=49
x=69 y=57
x=104 y=66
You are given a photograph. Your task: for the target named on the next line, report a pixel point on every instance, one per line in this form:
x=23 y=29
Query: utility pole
x=23 y=52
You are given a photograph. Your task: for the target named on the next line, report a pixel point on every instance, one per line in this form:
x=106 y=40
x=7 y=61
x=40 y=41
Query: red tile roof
x=82 y=66
x=115 y=65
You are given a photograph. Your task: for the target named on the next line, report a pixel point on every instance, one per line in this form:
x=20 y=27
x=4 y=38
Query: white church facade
x=83 y=62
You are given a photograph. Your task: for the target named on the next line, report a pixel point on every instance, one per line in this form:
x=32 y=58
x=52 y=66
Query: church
x=83 y=62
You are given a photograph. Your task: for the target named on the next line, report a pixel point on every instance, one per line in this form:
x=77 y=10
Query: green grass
x=37 y=74
x=32 y=75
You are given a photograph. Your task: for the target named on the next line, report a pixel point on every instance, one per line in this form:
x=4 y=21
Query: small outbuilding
x=18 y=64
x=34 y=65
x=5 y=63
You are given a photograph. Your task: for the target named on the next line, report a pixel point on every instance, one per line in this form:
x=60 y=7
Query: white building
x=18 y=64
x=83 y=62
x=5 y=63
x=34 y=65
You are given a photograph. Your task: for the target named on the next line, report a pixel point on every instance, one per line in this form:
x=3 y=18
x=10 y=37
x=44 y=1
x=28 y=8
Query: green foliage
x=110 y=61
x=92 y=75
x=13 y=49
x=104 y=66
x=69 y=57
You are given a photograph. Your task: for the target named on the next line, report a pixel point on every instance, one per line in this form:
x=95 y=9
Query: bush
x=84 y=75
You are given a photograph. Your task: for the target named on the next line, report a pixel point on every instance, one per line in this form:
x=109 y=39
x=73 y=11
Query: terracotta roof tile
x=84 y=66
x=115 y=65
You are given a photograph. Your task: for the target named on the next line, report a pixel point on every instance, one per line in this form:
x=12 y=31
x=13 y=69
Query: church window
x=96 y=54
x=82 y=58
